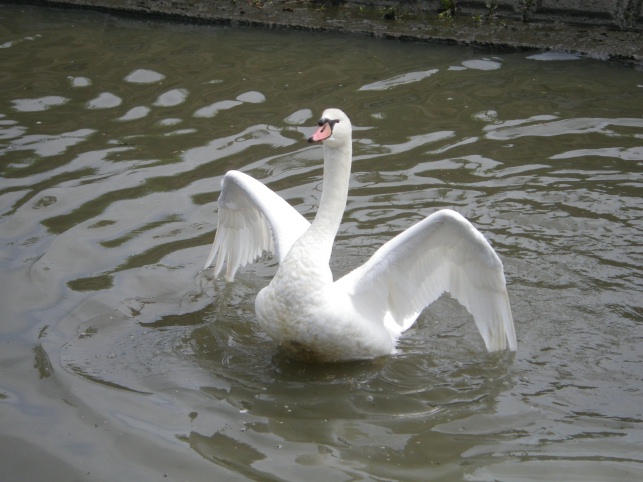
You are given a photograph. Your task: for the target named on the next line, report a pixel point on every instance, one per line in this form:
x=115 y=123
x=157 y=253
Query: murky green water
x=121 y=360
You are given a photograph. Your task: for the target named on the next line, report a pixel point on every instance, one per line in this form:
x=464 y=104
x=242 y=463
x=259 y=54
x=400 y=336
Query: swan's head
x=334 y=128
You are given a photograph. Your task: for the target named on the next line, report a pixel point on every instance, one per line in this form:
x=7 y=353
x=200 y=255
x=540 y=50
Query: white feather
x=362 y=314
x=444 y=252
x=252 y=219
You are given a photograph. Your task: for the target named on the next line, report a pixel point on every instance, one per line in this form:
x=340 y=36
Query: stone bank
x=606 y=29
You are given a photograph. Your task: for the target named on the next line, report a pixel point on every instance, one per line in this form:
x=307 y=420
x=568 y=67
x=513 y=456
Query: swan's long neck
x=337 y=169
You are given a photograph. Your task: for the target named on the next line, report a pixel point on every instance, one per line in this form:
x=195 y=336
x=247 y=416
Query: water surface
x=121 y=360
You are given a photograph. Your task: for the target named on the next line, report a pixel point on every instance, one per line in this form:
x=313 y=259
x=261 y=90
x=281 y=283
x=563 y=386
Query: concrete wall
x=619 y=14
x=616 y=14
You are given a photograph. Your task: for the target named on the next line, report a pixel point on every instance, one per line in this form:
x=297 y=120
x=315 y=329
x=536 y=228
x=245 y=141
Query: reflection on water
x=121 y=359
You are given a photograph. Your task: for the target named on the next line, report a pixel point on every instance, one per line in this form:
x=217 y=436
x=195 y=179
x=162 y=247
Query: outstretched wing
x=444 y=252
x=252 y=219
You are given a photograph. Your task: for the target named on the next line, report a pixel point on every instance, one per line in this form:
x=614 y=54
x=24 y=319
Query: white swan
x=361 y=315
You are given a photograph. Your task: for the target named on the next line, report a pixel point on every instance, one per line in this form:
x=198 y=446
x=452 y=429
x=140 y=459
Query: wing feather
x=444 y=252
x=252 y=219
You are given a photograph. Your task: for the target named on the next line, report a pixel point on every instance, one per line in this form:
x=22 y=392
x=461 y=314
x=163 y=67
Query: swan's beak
x=322 y=133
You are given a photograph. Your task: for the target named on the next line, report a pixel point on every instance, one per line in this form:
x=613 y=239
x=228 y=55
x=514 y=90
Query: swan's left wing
x=252 y=219
x=444 y=252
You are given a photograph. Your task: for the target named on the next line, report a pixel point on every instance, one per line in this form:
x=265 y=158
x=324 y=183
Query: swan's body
x=361 y=315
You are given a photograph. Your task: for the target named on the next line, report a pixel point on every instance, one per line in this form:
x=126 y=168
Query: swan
x=361 y=315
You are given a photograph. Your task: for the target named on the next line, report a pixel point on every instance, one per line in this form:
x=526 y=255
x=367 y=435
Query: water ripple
x=104 y=227
x=40 y=104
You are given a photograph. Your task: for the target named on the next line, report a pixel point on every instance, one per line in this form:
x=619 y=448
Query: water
x=121 y=360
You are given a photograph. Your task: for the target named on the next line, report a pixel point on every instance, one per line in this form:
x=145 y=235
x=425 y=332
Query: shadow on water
x=369 y=415
x=270 y=407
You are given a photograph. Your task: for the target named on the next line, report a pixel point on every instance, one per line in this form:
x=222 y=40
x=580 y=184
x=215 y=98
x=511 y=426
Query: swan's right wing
x=252 y=219
x=444 y=252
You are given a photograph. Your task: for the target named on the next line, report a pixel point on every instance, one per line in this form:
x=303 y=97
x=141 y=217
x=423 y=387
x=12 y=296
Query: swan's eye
x=331 y=123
